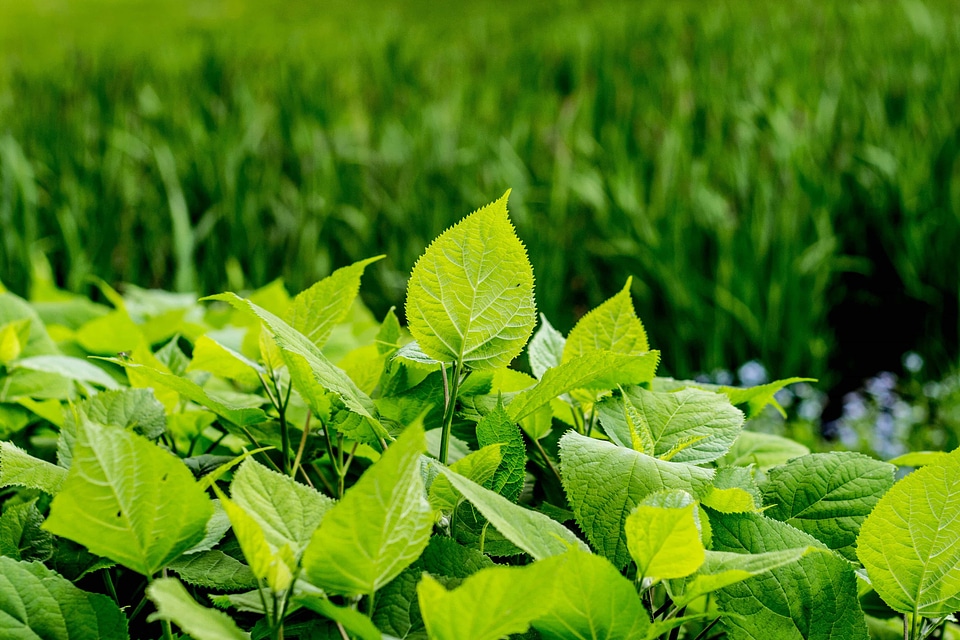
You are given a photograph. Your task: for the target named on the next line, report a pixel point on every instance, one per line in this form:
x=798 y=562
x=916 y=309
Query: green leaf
x=13 y=338
x=479 y=466
x=317 y=310
x=445 y=557
x=613 y=326
x=19 y=468
x=920 y=458
x=21 y=537
x=13 y=309
x=827 y=495
x=498 y=428
x=305 y=360
x=215 y=570
x=352 y=620
x=592 y=601
x=814 y=598
x=470 y=295
x=674 y=417
x=397 y=610
x=734 y=491
x=210 y=355
x=488 y=605
x=389 y=334
x=910 y=543
x=723 y=568
x=273 y=565
x=37 y=603
x=663 y=536
x=546 y=348
x=26 y=383
x=754 y=399
x=604 y=483
x=533 y=532
x=175 y=604
x=241 y=416
x=287 y=511
x=109 y=334
x=596 y=370
x=382 y=524
x=763 y=450
x=127 y=499
x=68 y=367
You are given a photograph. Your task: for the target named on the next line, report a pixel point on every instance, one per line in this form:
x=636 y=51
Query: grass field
x=756 y=167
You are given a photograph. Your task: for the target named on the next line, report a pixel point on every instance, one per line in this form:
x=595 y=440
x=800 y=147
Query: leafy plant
x=268 y=467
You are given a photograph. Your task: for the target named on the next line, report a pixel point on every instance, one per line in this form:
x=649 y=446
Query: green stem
x=108 y=581
x=547 y=460
x=450 y=403
x=284 y=427
x=341 y=472
x=371 y=601
x=303 y=445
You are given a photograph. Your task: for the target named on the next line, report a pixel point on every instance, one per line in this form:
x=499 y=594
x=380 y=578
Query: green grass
x=736 y=159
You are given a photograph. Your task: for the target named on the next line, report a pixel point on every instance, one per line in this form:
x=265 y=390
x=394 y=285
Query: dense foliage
x=261 y=467
x=752 y=164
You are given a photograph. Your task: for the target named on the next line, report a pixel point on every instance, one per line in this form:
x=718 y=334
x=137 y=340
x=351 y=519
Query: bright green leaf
x=470 y=295
x=479 y=466
x=613 y=326
x=674 y=417
x=37 y=603
x=68 y=367
x=753 y=398
x=13 y=338
x=210 y=355
x=604 y=483
x=352 y=620
x=734 y=490
x=271 y=564
x=127 y=499
x=596 y=370
x=533 y=532
x=109 y=334
x=382 y=524
x=919 y=458
x=663 y=536
x=910 y=543
x=175 y=604
x=498 y=428
x=546 y=348
x=763 y=450
x=317 y=310
x=19 y=468
x=827 y=495
x=215 y=570
x=21 y=537
x=14 y=308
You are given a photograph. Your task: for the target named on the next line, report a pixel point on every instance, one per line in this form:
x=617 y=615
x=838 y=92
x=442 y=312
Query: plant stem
x=450 y=403
x=303 y=445
x=108 y=581
x=546 y=459
x=706 y=629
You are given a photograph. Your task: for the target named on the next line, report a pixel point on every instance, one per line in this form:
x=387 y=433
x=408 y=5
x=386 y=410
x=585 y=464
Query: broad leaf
x=734 y=490
x=533 y=532
x=175 y=604
x=19 y=468
x=910 y=543
x=596 y=370
x=479 y=466
x=129 y=500
x=753 y=399
x=14 y=308
x=37 y=603
x=470 y=295
x=827 y=495
x=382 y=524
x=592 y=601
x=136 y=409
x=498 y=428
x=273 y=565
x=663 y=536
x=763 y=450
x=210 y=355
x=215 y=570
x=613 y=326
x=546 y=348
x=21 y=537
x=673 y=417
x=13 y=337
x=287 y=511
x=298 y=350
x=317 y=310
x=920 y=458
x=604 y=483
x=814 y=598
x=488 y=605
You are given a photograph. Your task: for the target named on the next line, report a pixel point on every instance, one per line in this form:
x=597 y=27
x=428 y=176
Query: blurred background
x=781 y=179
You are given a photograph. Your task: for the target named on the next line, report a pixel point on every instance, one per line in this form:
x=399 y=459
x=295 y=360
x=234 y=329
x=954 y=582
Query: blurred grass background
x=780 y=178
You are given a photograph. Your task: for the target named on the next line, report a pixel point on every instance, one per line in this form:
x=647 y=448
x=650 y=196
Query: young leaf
x=298 y=350
x=533 y=532
x=71 y=368
x=910 y=543
x=37 y=603
x=597 y=370
x=129 y=500
x=613 y=326
x=763 y=450
x=382 y=524
x=488 y=605
x=546 y=348
x=14 y=308
x=479 y=466
x=815 y=597
x=470 y=295
x=273 y=565
x=604 y=483
x=754 y=399
x=734 y=490
x=592 y=601
x=497 y=428
x=287 y=511
x=673 y=417
x=663 y=536
x=210 y=355
x=17 y=467
x=175 y=604
x=215 y=570
x=136 y=409
x=317 y=310
x=13 y=338
x=352 y=620
x=827 y=495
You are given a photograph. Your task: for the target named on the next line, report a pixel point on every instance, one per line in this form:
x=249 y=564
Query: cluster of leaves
x=292 y=469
